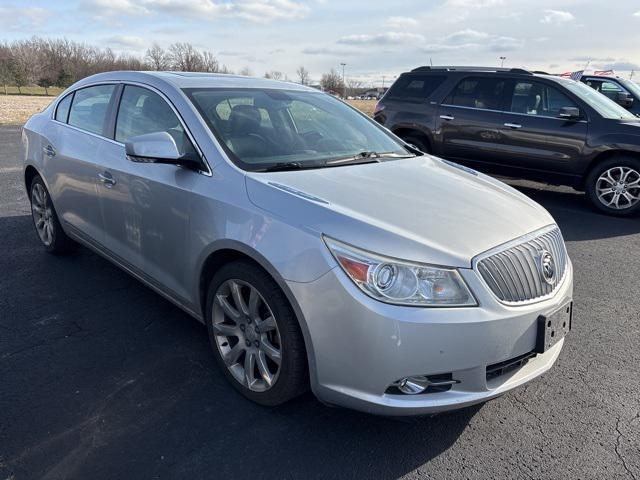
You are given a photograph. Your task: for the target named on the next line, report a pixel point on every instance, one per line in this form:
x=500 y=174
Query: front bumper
x=361 y=346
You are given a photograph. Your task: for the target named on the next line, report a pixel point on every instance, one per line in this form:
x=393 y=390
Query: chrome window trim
x=508 y=245
x=510 y=113
x=208 y=172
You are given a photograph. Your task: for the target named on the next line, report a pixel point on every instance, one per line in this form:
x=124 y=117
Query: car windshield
x=632 y=86
x=267 y=129
x=601 y=104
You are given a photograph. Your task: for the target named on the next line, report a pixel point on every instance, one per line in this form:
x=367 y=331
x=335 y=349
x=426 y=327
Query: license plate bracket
x=552 y=328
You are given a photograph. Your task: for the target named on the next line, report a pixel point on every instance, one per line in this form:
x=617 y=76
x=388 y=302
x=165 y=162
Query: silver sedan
x=320 y=250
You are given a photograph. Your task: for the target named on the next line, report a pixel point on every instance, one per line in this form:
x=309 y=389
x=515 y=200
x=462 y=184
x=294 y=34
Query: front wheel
x=613 y=186
x=255 y=335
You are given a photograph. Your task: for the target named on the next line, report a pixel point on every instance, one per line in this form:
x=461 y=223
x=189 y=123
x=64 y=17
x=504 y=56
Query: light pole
x=502 y=59
x=344 y=85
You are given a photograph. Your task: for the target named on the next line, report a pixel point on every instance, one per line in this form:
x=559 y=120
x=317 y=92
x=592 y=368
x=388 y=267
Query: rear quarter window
x=416 y=88
x=62 y=110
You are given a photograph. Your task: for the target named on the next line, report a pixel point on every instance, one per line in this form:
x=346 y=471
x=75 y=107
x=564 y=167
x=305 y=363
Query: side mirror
x=158 y=147
x=569 y=113
x=624 y=99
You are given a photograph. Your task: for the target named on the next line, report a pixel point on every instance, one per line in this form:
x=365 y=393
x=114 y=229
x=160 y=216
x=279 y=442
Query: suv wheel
x=614 y=186
x=255 y=335
x=46 y=220
x=418 y=142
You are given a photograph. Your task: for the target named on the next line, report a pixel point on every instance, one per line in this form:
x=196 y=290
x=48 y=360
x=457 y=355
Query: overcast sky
x=374 y=38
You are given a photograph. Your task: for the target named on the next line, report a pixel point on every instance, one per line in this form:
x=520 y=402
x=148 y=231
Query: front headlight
x=399 y=282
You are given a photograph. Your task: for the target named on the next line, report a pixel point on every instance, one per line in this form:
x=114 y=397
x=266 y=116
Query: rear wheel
x=418 y=142
x=255 y=335
x=614 y=186
x=46 y=220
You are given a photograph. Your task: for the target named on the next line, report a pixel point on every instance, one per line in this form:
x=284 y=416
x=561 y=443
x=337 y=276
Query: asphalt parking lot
x=101 y=378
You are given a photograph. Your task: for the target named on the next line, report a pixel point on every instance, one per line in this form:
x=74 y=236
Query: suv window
x=89 y=108
x=539 y=99
x=142 y=111
x=62 y=110
x=607 y=88
x=415 y=87
x=478 y=92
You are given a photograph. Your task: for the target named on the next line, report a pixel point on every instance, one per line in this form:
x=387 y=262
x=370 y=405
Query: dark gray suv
x=521 y=124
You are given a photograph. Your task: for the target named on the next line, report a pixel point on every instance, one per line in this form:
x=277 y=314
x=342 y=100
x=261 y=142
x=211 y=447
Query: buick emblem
x=547 y=267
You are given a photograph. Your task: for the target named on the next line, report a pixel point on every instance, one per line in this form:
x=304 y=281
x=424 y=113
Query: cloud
x=389 y=38
x=637 y=14
x=128 y=41
x=402 y=22
x=331 y=51
x=621 y=65
x=22 y=18
x=557 y=17
x=474 y=3
x=469 y=39
x=256 y=11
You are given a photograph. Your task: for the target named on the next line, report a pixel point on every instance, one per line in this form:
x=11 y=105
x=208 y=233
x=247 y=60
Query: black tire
x=591 y=184
x=418 y=142
x=293 y=376
x=60 y=243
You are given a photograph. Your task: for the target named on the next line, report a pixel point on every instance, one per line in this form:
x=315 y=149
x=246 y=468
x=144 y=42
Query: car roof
x=194 y=80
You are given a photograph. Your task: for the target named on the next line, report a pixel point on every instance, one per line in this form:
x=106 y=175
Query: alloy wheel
x=247 y=335
x=619 y=187
x=42 y=214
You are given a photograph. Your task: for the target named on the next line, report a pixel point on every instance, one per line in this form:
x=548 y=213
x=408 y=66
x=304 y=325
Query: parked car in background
x=625 y=93
x=521 y=124
x=319 y=249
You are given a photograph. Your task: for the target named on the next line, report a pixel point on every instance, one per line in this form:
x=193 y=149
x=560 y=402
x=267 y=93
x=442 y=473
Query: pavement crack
x=617 y=449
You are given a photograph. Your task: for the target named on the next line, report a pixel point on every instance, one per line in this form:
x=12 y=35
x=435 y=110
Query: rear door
x=72 y=158
x=533 y=135
x=146 y=205
x=470 y=119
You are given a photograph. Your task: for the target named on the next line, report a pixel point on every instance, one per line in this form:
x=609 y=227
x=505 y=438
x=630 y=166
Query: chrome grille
x=515 y=273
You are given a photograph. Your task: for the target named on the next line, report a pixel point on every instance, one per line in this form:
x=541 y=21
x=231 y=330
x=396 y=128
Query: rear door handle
x=49 y=151
x=107 y=179
x=447 y=117
x=513 y=125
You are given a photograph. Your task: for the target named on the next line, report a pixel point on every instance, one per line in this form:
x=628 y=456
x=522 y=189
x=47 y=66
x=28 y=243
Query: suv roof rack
x=521 y=71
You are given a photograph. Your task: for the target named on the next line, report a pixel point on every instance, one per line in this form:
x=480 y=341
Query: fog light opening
x=413 y=385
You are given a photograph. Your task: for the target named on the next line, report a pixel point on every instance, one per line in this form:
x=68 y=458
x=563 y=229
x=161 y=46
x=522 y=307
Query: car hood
x=421 y=209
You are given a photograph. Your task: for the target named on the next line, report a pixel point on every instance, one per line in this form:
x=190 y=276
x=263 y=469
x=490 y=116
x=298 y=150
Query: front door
x=146 y=205
x=534 y=136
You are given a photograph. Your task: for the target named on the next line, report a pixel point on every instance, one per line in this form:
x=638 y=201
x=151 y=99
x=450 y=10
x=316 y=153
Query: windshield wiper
x=365 y=157
x=286 y=166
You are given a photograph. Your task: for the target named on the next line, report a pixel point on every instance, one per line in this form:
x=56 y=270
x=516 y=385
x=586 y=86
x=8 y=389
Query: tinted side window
x=62 y=111
x=89 y=108
x=415 y=87
x=533 y=98
x=142 y=111
x=478 y=92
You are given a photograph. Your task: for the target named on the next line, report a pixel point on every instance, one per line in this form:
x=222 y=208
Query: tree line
x=60 y=62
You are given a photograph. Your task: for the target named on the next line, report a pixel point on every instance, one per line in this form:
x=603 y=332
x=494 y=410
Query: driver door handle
x=447 y=117
x=107 y=179
x=513 y=125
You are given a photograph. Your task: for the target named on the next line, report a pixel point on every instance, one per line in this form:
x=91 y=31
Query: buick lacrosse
x=320 y=250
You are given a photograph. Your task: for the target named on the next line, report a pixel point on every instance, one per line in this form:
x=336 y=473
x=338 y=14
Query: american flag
x=576 y=75
x=604 y=73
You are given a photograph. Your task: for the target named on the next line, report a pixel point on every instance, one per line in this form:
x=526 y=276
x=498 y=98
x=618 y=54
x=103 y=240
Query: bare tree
x=332 y=82
x=246 y=71
x=303 y=75
x=185 y=57
x=157 y=58
x=353 y=86
x=210 y=62
x=274 y=75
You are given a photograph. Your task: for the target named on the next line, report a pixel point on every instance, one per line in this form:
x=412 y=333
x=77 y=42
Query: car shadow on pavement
x=577 y=218
x=102 y=378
